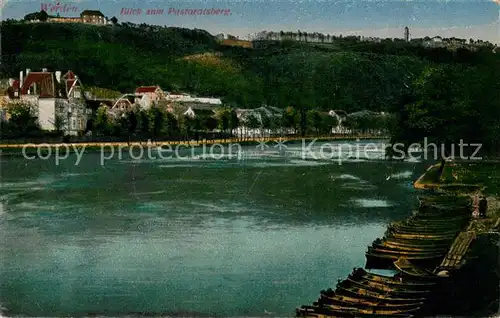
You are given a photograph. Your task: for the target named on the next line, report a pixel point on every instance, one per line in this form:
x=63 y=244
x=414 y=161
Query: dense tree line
x=350 y=75
x=450 y=105
x=156 y=123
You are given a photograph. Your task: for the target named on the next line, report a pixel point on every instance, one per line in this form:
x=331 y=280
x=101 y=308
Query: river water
x=257 y=235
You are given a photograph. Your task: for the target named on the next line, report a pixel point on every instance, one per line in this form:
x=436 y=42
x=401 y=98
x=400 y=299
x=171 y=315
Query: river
x=256 y=235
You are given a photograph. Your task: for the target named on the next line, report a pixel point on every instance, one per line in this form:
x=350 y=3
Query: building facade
x=93 y=17
x=57 y=99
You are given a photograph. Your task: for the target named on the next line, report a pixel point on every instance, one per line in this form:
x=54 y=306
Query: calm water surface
x=251 y=237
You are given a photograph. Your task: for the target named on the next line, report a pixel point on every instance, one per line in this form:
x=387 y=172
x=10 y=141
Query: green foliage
x=41 y=16
x=449 y=104
x=23 y=121
x=102 y=124
x=99 y=92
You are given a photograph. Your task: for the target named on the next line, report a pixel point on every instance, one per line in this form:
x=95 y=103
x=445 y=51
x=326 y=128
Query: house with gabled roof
x=93 y=17
x=57 y=99
x=146 y=96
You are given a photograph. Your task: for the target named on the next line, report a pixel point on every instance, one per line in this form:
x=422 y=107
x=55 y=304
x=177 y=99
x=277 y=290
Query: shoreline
x=194 y=143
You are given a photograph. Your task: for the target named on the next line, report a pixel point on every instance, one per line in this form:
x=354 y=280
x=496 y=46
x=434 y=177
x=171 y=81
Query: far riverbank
x=15 y=147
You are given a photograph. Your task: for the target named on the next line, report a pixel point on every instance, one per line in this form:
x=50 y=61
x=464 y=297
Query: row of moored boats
x=413 y=247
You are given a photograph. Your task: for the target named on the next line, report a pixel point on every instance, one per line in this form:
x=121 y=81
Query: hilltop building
x=94 y=17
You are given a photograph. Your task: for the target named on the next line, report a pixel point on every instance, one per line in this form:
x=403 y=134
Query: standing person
x=483 y=206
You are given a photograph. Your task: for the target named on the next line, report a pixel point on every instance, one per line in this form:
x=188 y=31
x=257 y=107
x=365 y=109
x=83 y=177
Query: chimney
x=58 y=76
x=21 y=79
x=44 y=70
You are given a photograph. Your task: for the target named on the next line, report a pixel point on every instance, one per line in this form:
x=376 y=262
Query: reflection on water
x=233 y=238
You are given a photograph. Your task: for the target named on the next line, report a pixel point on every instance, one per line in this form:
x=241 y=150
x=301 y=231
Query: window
x=76 y=93
x=73 y=123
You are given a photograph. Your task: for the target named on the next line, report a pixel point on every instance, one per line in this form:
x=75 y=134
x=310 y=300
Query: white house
x=58 y=100
x=146 y=96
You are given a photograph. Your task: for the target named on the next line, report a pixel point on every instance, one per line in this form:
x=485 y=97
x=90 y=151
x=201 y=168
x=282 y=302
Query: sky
x=478 y=19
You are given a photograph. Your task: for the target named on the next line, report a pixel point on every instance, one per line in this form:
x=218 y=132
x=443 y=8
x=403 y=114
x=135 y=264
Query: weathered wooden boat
x=430 y=226
x=432 y=235
x=409 y=254
x=304 y=312
x=394 y=280
x=420 y=236
x=430 y=248
x=381 y=288
x=415 y=221
x=364 y=293
x=413 y=243
x=421 y=231
x=404 y=265
x=369 y=311
x=384 y=260
x=337 y=311
x=363 y=303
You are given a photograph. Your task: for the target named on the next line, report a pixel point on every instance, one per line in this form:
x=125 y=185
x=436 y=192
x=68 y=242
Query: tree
x=59 y=123
x=291 y=118
x=156 y=120
x=439 y=111
x=114 y=20
x=102 y=124
x=252 y=122
x=22 y=121
x=314 y=121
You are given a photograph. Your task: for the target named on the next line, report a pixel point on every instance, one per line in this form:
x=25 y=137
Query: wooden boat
x=364 y=293
x=377 y=260
x=413 y=231
x=369 y=311
x=429 y=248
x=420 y=236
x=305 y=312
x=378 y=287
x=424 y=225
x=405 y=266
x=413 y=243
x=396 y=281
x=356 y=302
x=337 y=311
x=410 y=254
x=422 y=230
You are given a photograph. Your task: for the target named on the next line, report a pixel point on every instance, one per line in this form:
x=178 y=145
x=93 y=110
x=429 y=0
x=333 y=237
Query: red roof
x=43 y=81
x=146 y=89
